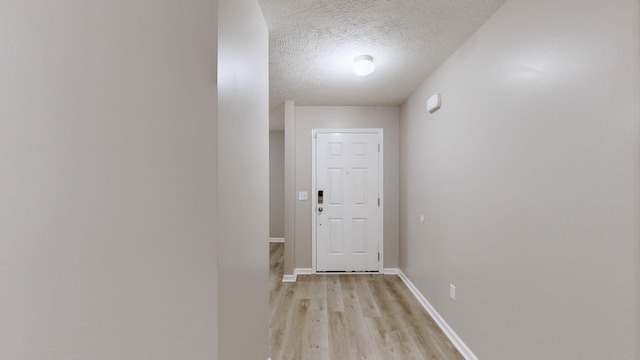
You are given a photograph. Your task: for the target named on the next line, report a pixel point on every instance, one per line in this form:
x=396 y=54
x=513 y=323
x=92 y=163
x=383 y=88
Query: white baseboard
x=453 y=337
x=303 y=271
x=308 y=271
x=276 y=240
x=296 y=272
x=391 y=271
x=289 y=278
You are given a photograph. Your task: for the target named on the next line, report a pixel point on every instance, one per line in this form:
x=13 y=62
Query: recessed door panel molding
x=359 y=236
x=359 y=149
x=335 y=149
x=335 y=188
x=336 y=243
x=359 y=184
x=347 y=221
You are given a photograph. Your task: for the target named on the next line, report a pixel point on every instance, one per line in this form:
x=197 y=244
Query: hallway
x=342 y=317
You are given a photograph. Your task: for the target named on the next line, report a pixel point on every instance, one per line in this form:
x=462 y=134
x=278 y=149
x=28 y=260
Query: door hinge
x=378 y=201
x=378 y=147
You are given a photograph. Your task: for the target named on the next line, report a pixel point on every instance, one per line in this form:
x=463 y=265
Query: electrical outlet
x=452 y=292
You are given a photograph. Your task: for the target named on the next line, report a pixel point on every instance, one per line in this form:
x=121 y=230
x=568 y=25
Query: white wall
x=289 y=185
x=243 y=175
x=335 y=117
x=276 y=117
x=528 y=177
x=276 y=184
x=108 y=180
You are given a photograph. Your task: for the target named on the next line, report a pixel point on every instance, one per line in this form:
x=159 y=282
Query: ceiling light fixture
x=363 y=65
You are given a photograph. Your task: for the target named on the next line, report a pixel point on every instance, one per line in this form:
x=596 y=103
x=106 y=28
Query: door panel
x=335 y=186
x=336 y=236
x=359 y=187
x=347 y=222
x=359 y=236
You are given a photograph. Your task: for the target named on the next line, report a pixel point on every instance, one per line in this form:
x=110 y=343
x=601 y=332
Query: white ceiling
x=313 y=44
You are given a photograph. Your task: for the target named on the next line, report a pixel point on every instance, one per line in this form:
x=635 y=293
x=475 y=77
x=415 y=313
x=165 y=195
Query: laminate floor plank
x=334 y=294
x=317 y=342
x=420 y=326
x=390 y=328
x=378 y=335
x=361 y=346
x=347 y=317
x=296 y=331
x=339 y=342
x=367 y=301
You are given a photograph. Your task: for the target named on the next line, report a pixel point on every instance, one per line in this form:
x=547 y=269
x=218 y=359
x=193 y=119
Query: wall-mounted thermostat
x=433 y=103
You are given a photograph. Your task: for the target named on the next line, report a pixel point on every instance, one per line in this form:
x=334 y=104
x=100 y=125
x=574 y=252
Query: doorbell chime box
x=433 y=103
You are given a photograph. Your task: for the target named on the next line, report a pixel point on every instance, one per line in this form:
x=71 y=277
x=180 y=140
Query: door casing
x=314 y=190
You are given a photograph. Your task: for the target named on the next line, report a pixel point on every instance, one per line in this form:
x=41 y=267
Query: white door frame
x=314 y=189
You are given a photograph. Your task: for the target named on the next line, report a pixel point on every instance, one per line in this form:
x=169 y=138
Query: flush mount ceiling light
x=363 y=65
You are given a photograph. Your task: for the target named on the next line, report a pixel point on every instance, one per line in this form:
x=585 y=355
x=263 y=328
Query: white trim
x=349 y=273
x=303 y=271
x=296 y=272
x=314 y=198
x=289 y=278
x=276 y=240
x=453 y=337
x=391 y=271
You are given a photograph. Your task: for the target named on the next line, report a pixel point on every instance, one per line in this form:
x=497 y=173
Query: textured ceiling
x=313 y=44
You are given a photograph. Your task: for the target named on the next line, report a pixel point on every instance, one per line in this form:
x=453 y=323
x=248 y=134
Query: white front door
x=348 y=214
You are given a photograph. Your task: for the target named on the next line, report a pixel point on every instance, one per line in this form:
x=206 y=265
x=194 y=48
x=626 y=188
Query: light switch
x=302 y=195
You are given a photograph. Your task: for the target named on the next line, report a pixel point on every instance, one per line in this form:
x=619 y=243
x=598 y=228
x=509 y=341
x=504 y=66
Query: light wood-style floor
x=345 y=317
